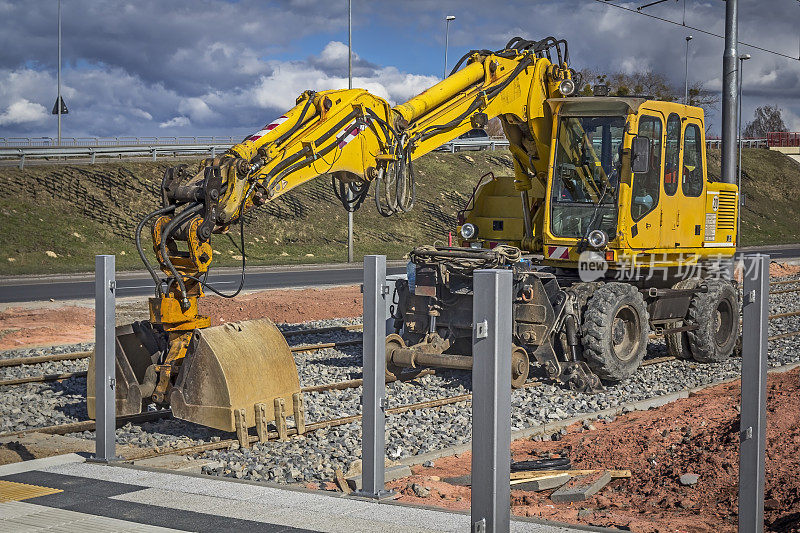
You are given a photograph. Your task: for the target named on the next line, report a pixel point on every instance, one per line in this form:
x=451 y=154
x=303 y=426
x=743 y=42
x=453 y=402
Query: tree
x=649 y=84
x=495 y=128
x=766 y=118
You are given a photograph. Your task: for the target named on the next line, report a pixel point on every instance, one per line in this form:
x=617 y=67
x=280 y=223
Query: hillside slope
x=77 y=211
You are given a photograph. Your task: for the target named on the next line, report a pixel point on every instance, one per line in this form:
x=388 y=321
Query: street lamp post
x=686 y=78
x=349 y=86
x=742 y=59
x=58 y=99
x=447 y=20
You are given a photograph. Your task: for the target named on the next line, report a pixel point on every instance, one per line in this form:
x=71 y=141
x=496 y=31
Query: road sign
x=64 y=110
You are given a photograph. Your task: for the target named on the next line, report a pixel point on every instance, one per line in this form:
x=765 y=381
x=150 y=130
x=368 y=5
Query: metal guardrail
x=464 y=145
x=217 y=144
x=784 y=139
x=746 y=143
x=30 y=142
x=92 y=152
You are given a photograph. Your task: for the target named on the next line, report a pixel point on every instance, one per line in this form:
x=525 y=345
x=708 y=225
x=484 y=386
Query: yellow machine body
x=669 y=217
x=207 y=373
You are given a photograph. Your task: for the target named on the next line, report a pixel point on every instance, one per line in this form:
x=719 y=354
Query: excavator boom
x=209 y=374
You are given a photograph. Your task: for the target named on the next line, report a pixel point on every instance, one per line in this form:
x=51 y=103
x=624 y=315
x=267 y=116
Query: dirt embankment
x=698 y=435
x=20 y=327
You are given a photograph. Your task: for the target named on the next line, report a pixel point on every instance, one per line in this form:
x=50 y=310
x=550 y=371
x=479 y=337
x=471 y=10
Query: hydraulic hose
x=171 y=227
x=138 y=238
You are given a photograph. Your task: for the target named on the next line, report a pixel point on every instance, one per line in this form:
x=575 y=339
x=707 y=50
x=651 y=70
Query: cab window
x=673 y=153
x=646 y=185
x=692 y=184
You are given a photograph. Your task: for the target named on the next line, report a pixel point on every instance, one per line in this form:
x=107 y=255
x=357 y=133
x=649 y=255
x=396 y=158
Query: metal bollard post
x=373 y=421
x=491 y=401
x=105 y=346
x=753 y=420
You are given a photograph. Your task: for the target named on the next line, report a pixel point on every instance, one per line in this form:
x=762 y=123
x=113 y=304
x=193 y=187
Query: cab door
x=692 y=210
x=671 y=201
x=644 y=209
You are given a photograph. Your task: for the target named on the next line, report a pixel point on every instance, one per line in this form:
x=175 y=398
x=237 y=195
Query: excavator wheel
x=678 y=343
x=615 y=331
x=520 y=367
x=716 y=312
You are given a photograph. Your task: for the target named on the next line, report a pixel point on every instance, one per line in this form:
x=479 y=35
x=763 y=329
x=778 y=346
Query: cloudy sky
x=216 y=67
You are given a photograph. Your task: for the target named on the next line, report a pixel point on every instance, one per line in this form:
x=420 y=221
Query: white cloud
x=141 y=113
x=22 y=112
x=196 y=109
x=289 y=79
x=175 y=122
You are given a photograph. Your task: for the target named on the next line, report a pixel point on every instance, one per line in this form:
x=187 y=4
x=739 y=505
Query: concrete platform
x=97 y=497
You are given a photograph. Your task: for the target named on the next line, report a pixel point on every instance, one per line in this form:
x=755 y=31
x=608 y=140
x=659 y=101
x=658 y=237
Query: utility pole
x=58 y=99
x=742 y=59
x=349 y=86
x=730 y=95
x=686 y=78
x=447 y=20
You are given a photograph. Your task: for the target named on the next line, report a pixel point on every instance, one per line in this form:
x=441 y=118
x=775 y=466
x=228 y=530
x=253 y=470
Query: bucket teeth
x=234 y=366
x=226 y=369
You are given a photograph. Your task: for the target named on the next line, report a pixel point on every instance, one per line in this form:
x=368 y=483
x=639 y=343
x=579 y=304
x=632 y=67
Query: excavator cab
x=626 y=179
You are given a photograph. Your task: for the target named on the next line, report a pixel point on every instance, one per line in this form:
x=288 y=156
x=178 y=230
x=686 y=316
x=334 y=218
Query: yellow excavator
x=227 y=376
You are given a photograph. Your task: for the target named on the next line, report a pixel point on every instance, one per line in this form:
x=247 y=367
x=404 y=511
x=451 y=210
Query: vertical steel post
x=753 y=421
x=491 y=401
x=730 y=95
x=105 y=346
x=373 y=420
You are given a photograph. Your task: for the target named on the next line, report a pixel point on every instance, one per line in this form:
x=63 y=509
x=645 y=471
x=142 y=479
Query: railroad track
x=302 y=348
x=75 y=356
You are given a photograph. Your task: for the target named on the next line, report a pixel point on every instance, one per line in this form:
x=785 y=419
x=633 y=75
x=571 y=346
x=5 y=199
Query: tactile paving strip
x=23 y=517
x=14 y=492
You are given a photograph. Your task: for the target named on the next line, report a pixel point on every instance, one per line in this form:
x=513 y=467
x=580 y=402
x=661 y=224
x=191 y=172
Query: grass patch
x=79 y=211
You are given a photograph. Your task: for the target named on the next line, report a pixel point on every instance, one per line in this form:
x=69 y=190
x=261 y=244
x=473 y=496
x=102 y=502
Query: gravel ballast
x=313 y=457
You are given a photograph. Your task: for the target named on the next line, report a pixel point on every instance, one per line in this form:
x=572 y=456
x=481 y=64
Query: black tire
x=716 y=313
x=678 y=343
x=615 y=331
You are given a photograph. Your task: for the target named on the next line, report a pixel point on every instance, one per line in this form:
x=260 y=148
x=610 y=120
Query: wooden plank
x=581 y=488
x=541 y=483
x=534 y=474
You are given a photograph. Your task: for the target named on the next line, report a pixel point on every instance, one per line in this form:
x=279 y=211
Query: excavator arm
x=361 y=141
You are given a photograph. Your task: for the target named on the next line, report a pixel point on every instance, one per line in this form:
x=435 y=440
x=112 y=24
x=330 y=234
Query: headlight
x=468 y=231
x=566 y=87
x=597 y=238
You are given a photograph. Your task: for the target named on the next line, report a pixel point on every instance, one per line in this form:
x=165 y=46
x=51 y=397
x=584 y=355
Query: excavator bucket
x=137 y=348
x=229 y=367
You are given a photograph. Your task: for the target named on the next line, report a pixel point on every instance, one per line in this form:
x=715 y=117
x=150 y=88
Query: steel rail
x=89 y=425
x=42 y=378
x=784 y=282
x=785 y=291
x=20 y=361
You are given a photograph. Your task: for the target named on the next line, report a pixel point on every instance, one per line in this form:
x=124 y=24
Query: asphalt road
x=141 y=284
x=75 y=287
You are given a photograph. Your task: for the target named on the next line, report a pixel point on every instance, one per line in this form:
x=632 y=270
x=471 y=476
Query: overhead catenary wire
x=684 y=25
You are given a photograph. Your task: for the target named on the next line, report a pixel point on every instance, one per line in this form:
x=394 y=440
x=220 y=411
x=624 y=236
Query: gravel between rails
x=314 y=457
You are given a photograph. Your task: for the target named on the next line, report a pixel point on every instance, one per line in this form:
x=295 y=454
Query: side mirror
x=640 y=155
